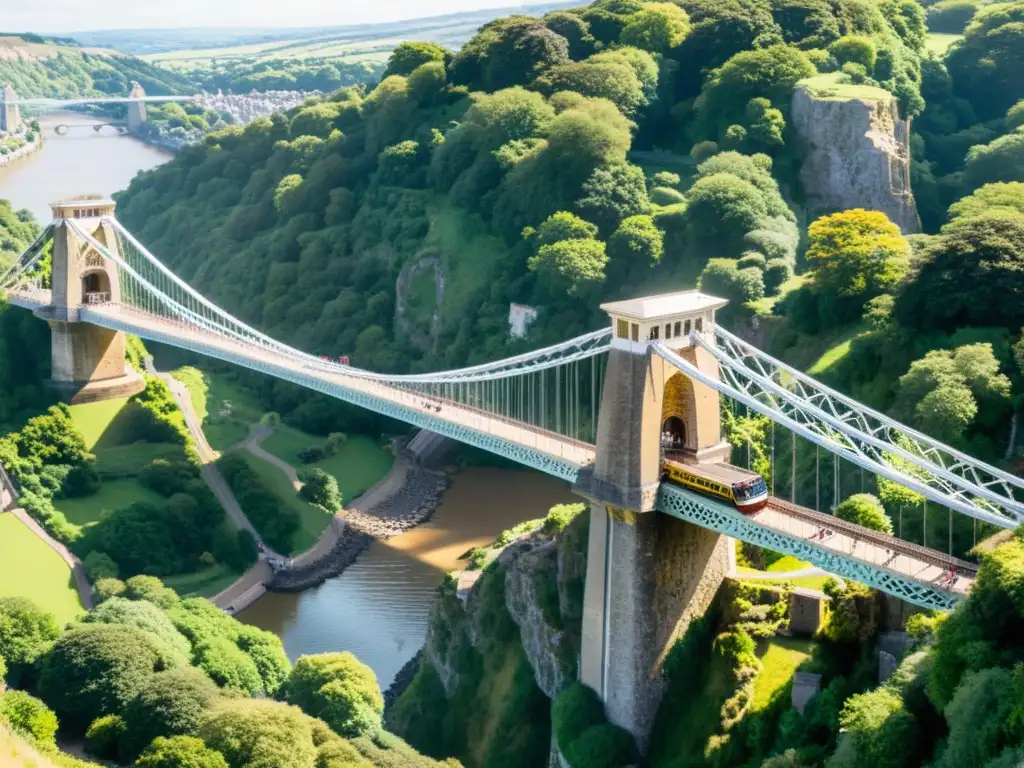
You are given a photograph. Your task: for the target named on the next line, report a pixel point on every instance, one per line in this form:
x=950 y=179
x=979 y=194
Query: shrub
x=666 y=179
x=866 y=510
x=82 y=480
x=103 y=736
x=95 y=670
x=255 y=733
x=108 y=588
x=702 y=150
x=855 y=72
x=667 y=196
x=951 y=17
x=180 y=752
x=752 y=259
x=339 y=690
x=855 y=49
x=602 y=746
x=576 y=709
x=29 y=716
x=320 y=488
x=100 y=565
x=152 y=589
x=171 y=704
x=228 y=666
x=777 y=272
x=27 y=632
x=148 y=618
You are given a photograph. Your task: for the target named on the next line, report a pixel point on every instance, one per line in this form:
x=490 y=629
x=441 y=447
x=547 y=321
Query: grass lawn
x=786 y=564
x=205 y=583
x=766 y=305
x=835 y=353
x=129 y=460
x=93 y=420
x=780 y=656
x=225 y=409
x=29 y=568
x=828 y=88
x=113 y=495
x=312 y=520
x=357 y=466
x=938 y=43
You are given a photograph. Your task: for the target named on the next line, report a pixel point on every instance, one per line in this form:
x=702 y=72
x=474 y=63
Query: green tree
x=410 y=56
x=657 y=27
x=1005 y=197
x=507 y=52
x=857 y=253
x=100 y=565
x=612 y=80
x=563 y=226
x=978 y=718
x=722 y=209
x=856 y=49
x=637 y=241
x=576 y=264
x=171 y=704
x=977 y=265
x=103 y=736
x=150 y=588
x=29 y=716
x=876 y=732
x=612 y=194
x=27 y=633
x=228 y=666
x=769 y=72
x=338 y=689
x=180 y=752
x=95 y=670
x=866 y=510
x=986 y=63
x=1000 y=160
x=256 y=733
x=148 y=618
x=320 y=488
x=575 y=30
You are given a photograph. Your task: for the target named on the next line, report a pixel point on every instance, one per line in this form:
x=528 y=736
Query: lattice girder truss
x=779 y=404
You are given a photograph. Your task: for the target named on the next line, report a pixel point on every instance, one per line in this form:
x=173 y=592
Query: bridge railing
x=870 y=536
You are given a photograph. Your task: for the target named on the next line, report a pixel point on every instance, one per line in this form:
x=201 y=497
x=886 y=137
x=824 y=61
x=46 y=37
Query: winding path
x=254 y=445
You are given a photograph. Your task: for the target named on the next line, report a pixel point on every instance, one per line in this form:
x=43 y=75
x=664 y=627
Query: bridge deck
x=847 y=540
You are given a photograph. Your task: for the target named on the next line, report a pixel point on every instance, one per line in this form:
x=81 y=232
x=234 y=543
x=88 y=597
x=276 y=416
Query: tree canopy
x=338 y=689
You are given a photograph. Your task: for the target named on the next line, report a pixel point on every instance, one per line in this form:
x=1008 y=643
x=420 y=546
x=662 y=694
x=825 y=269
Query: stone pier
x=10 y=113
x=648 y=575
x=136 y=109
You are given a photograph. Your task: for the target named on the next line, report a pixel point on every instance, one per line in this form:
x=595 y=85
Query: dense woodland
x=627 y=148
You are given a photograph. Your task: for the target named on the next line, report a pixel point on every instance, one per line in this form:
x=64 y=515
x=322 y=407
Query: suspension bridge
x=593 y=410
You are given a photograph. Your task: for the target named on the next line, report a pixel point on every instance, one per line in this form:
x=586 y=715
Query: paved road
x=254 y=445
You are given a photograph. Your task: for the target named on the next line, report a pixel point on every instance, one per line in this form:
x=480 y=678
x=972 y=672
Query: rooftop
x=83 y=202
x=664 y=305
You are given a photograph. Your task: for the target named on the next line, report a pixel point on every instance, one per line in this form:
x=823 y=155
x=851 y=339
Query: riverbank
x=30 y=148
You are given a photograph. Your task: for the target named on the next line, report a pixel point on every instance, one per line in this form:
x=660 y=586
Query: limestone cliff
x=496 y=657
x=857 y=152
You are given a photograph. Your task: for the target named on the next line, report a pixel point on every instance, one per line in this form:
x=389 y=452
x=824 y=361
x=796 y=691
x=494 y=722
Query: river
x=378 y=607
x=82 y=162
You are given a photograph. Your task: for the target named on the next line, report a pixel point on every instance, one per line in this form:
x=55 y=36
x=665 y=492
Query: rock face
x=857 y=156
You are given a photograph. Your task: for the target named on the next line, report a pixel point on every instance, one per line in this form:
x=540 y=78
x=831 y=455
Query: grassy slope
x=113 y=495
x=784 y=565
x=780 y=658
x=225 y=409
x=312 y=520
x=357 y=466
x=939 y=43
x=96 y=420
x=205 y=583
x=31 y=569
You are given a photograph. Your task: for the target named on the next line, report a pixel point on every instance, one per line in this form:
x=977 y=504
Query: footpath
x=251 y=585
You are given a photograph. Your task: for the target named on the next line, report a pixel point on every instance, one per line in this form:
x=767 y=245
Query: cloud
x=62 y=16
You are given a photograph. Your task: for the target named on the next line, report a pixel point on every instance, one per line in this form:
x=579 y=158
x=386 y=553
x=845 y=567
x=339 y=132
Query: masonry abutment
x=648 y=575
x=87 y=361
x=136 y=109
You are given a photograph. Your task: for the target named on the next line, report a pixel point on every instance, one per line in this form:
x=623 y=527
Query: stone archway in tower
x=679 y=414
x=95 y=287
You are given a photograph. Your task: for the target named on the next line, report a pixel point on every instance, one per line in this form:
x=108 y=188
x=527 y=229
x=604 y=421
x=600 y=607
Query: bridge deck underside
x=903 y=570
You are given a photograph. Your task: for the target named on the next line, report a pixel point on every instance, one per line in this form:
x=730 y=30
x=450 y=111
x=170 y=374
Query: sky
x=61 y=16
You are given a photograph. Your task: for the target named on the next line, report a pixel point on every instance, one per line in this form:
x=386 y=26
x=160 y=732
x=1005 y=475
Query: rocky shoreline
x=402 y=680
x=414 y=503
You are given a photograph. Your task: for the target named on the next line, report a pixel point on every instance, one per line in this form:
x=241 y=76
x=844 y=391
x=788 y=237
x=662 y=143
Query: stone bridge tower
x=136 y=109
x=648 y=574
x=88 y=362
x=10 y=113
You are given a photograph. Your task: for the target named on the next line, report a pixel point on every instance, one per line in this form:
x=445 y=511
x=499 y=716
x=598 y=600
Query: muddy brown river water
x=378 y=607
